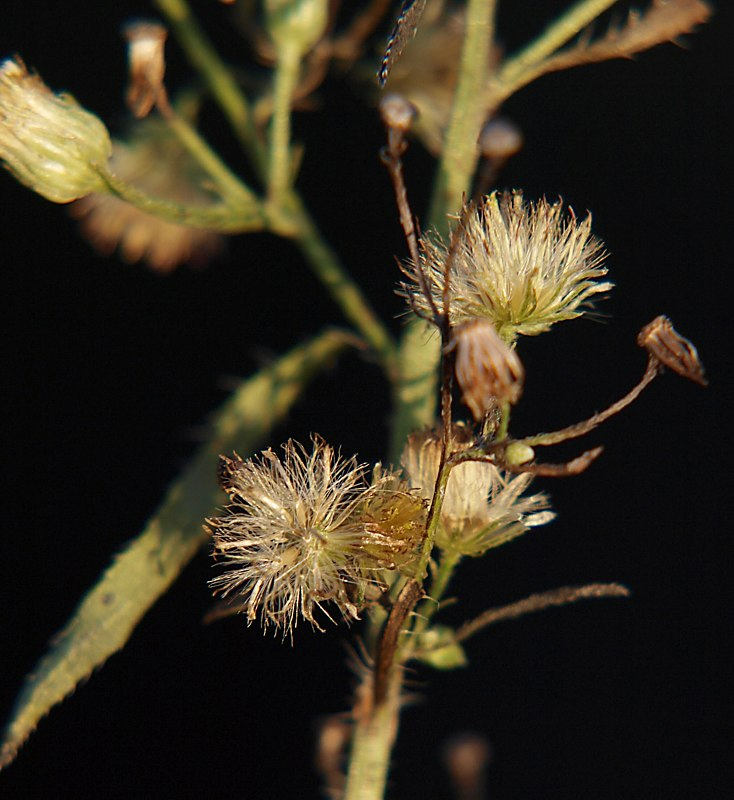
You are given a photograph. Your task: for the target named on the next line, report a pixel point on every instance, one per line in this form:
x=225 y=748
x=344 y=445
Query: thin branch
x=538 y=602
x=582 y=428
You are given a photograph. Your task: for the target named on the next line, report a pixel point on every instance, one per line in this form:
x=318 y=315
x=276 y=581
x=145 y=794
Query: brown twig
x=538 y=602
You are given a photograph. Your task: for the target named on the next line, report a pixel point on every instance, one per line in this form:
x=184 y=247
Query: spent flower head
x=483 y=506
x=309 y=528
x=523 y=266
x=48 y=141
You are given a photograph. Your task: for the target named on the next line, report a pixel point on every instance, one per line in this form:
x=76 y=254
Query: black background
x=110 y=369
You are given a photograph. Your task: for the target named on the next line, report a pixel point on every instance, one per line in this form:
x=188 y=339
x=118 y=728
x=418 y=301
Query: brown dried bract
x=661 y=340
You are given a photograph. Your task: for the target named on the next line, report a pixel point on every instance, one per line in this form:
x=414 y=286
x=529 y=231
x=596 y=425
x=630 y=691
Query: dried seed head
x=523 y=267
x=483 y=506
x=307 y=529
x=152 y=160
x=147 y=65
x=661 y=339
x=48 y=141
x=487 y=370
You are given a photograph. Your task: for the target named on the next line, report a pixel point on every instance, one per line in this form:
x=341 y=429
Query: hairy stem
x=460 y=151
x=519 y=70
x=286 y=79
x=374 y=735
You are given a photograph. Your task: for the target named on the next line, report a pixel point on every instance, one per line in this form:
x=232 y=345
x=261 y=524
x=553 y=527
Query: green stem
x=286 y=79
x=205 y=59
x=460 y=152
x=321 y=258
x=521 y=69
x=374 y=735
x=228 y=184
x=344 y=291
x=217 y=217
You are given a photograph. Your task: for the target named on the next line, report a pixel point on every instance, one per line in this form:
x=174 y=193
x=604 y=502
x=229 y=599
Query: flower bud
x=48 y=141
x=500 y=138
x=487 y=370
x=397 y=112
x=296 y=22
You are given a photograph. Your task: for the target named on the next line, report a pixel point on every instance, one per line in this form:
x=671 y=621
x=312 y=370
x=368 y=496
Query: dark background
x=110 y=369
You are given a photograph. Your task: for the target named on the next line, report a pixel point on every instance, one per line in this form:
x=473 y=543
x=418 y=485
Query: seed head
x=306 y=529
x=483 y=506
x=522 y=266
x=48 y=141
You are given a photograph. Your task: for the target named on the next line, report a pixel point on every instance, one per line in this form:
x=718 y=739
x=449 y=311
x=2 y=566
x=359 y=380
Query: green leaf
x=145 y=569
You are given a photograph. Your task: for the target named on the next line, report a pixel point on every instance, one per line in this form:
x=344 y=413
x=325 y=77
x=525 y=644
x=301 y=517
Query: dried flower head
x=154 y=161
x=483 y=506
x=522 y=266
x=147 y=66
x=663 y=341
x=48 y=141
x=487 y=370
x=306 y=529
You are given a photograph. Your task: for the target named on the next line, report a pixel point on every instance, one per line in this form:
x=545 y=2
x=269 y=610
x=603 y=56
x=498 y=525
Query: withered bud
x=664 y=342
x=500 y=139
x=397 y=112
x=147 y=66
x=487 y=369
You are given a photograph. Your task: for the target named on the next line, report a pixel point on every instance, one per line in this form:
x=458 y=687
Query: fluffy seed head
x=48 y=141
x=308 y=528
x=522 y=266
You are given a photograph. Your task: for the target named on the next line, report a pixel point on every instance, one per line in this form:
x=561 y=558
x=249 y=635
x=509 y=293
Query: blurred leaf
x=145 y=569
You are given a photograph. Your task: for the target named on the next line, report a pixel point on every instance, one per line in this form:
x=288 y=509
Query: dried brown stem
x=539 y=602
x=582 y=428
x=409 y=595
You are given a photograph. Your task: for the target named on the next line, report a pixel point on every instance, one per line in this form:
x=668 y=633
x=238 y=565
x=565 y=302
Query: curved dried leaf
x=663 y=21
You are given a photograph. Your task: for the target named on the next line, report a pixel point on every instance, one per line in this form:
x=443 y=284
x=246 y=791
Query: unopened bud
x=48 y=141
x=487 y=369
x=147 y=65
x=296 y=22
x=518 y=453
x=500 y=139
x=662 y=340
x=397 y=112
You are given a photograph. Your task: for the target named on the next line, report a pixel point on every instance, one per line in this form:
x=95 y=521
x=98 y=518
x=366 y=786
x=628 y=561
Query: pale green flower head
x=483 y=506
x=522 y=266
x=48 y=141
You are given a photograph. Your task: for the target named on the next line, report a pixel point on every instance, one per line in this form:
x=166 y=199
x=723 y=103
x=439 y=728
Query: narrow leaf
x=145 y=569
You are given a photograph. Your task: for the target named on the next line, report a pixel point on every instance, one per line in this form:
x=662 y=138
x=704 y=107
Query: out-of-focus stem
x=460 y=151
x=321 y=258
x=374 y=735
x=205 y=59
x=521 y=69
x=286 y=79
x=228 y=184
